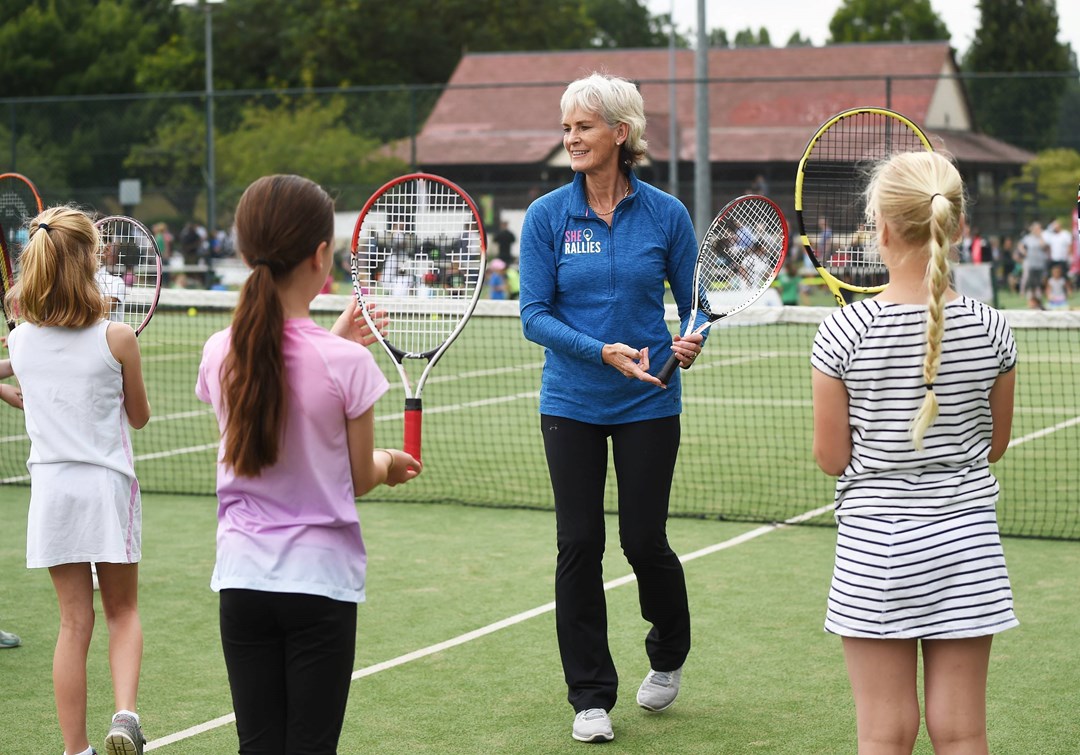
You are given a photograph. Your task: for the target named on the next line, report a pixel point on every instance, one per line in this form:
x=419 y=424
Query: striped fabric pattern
x=900 y=578
x=877 y=349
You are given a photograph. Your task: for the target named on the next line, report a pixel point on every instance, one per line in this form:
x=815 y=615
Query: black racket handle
x=668 y=369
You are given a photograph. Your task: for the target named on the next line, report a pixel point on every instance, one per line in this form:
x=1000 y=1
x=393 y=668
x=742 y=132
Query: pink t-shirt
x=295 y=528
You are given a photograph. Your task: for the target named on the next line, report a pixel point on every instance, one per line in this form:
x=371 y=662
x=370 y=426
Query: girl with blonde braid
x=913 y=399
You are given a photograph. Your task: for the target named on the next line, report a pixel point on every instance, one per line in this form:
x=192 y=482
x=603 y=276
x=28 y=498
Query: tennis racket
x=418 y=255
x=829 y=195
x=7 y=281
x=130 y=272
x=19 y=204
x=738 y=260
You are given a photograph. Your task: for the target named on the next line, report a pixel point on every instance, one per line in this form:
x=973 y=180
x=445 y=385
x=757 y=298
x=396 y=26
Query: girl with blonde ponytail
x=82 y=388
x=913 y=396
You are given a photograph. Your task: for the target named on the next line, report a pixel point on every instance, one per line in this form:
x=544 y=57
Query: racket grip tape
x=413 y=417
x=672 y=364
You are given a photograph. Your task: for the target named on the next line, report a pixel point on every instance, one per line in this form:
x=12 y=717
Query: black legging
x=289 y=658
x=644 y=454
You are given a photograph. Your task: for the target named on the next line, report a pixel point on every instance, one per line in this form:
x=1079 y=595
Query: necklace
x=603 y=214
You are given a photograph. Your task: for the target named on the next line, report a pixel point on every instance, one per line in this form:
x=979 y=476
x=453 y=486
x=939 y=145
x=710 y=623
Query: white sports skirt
x=919 y=578
x=82 y=513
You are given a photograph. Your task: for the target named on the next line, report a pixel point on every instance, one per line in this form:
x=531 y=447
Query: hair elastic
x=268 y=263
x=928 y=386
x=43 y=226
x=935 y=195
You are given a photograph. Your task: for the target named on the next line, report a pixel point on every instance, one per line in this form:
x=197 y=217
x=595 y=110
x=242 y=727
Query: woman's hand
x=630 y=362
x=687 y=348
x=352 y=325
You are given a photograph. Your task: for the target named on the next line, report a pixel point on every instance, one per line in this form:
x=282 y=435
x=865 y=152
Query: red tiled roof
x=764 y=103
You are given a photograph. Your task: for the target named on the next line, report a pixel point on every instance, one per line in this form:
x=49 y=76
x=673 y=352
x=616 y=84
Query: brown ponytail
x=280 y=221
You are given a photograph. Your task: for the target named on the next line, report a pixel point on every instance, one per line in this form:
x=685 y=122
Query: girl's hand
x=11 y=395
x=403 y=467
x=352 y=325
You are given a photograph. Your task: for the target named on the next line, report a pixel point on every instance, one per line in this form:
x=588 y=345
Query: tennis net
x=746 y=428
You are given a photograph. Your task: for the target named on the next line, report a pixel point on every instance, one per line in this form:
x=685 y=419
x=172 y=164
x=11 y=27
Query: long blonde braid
x=920 y=195
x=937 y=274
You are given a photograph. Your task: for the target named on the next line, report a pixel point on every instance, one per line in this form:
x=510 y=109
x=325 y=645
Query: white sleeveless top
x=84 y=498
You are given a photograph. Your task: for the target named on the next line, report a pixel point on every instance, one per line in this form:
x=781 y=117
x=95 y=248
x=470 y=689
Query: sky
x=811 y=18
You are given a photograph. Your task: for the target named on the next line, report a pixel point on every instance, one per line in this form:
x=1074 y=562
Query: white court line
x=510 y=621
x=1044 y=432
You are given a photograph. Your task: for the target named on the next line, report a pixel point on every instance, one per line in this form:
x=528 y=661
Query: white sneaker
x=659 y=689
x=593 y=725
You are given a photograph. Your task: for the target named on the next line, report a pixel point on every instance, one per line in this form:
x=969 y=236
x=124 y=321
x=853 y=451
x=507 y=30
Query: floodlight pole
x=208 y=42
x=702 y=163
x=673 y=121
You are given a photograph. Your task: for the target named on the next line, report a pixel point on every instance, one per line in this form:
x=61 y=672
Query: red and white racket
x=130 y=271
x=738 y=260
x=418 y=255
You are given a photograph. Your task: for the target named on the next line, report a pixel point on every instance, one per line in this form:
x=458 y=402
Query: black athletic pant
x=644 y=454
x=289 y=658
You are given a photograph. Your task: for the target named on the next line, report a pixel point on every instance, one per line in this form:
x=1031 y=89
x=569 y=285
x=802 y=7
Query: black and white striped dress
x=918 y=553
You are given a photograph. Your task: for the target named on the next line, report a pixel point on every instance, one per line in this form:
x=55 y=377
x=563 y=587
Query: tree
x=798 y=40
x=1051 y=178
x=626 y=24
x=308 y=137
x=747 y=38
x=719 y=38
x=1015 y=38
x=886 y=21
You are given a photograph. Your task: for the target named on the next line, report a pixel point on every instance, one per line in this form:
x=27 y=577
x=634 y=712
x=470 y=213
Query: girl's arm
x=5 y=369
x=1001 y=412
x=832 y=429
x=375 y=466
x=125 y=348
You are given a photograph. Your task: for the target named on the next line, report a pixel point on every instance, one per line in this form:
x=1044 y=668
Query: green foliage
x=748 y=38
x=1052 y=175
x=719 y=38
x=1017 y=38
x=886 y=21
x=798 y=40
x=626 y=24
x=306 y=137
x=173 y=157
x=126 y=47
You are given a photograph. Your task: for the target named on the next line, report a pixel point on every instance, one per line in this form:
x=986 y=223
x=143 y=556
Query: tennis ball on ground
x=191 y=312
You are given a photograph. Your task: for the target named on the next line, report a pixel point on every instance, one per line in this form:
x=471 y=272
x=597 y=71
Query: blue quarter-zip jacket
x=585 y=284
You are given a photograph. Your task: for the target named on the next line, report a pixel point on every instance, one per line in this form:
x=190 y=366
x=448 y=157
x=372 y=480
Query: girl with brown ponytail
x=295 y=407
x=913 y=399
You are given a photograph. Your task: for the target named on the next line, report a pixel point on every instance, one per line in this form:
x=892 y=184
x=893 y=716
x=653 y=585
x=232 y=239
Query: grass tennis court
x=762 y=678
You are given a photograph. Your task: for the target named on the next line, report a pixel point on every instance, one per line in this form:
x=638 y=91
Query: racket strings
x=130 y=271
x=418 y=256
x=739 y=257
x=835 y=177
x=18 y=206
